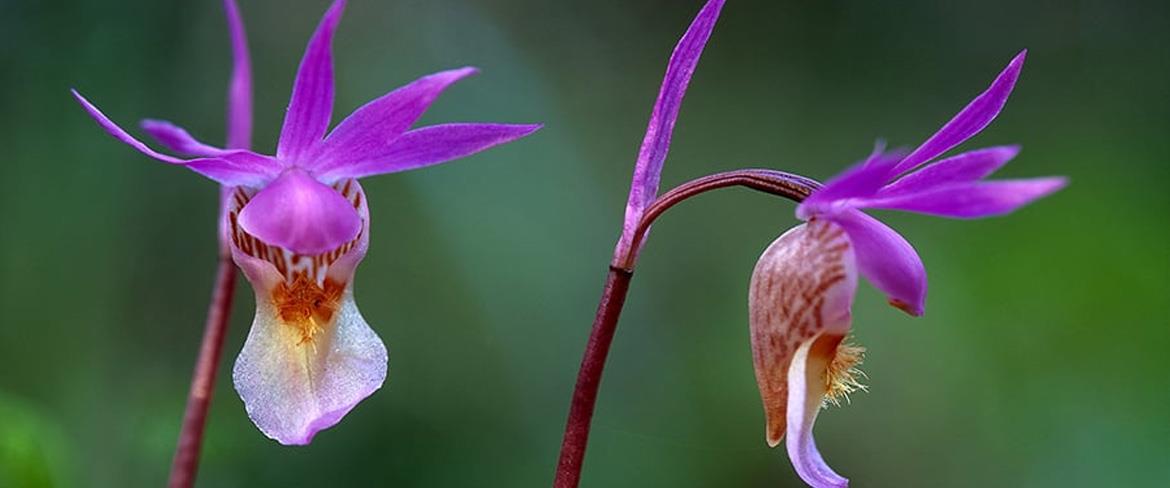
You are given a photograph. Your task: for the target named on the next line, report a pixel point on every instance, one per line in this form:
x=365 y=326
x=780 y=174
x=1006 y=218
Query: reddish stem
x=613 y=297
x=617 y=283
x=793 y=187
x=186 y=461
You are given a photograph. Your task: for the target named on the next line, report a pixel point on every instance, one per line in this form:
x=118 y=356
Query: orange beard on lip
x=305 y=305
x=306 y=297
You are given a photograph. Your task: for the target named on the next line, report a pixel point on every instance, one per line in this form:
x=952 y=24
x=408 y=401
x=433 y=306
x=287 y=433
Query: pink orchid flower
x=803 y=286
x=298 y=225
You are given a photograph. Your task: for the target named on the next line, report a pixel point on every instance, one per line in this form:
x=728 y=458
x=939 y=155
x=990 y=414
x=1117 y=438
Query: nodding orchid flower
x=298 y=226
x=803 y=286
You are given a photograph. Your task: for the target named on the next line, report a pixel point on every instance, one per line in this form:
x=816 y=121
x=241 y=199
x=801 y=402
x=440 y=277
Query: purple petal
x=970 y=199
x=428 y=146
x=656 y=143
x=237 y=168
x=806 y=393
x=864 y=179
x=177 y=139
x=239 y=109
x=886 y=259
x=374 y=126
x=121 y=134
x=966 y=167
x=311 y=105
x=886 y=158
x=969 y=121
x=231 y=168
x=301 y=214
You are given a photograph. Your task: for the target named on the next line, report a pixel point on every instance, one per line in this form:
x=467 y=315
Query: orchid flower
x=298 y=225
x=803 y=286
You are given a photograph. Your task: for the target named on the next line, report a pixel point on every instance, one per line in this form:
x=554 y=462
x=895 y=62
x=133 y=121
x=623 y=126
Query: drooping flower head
x=298 y=225
x=803 y=286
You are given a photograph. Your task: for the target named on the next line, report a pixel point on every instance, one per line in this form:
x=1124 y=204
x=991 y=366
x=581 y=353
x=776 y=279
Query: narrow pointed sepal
x=961 y=168
x=802 y=286
x=971 y=200
x=311 y=105
x=366 y=133
x=969 y=121
x=229 y=167
x=239 y=105
x=177 y=139
x=428 y=146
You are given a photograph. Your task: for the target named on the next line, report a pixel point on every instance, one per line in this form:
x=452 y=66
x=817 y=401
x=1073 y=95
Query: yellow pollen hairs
x=305 y=305
x=842 y=376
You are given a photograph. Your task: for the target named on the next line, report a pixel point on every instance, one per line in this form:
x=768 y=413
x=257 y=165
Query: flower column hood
x=299 y=225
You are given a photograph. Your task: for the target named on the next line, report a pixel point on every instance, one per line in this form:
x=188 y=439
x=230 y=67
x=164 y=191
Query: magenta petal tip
x=970 y=120
x=177 y=139
x=310 y=106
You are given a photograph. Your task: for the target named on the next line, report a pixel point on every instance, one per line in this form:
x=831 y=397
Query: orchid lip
x=310 y=356
x=802 y=288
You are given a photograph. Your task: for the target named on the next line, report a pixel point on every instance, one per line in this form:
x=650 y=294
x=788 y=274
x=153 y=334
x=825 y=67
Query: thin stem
x=617 y=283
x=793 y=187
x=239 y=136
x=613 y=297
x=186 y=461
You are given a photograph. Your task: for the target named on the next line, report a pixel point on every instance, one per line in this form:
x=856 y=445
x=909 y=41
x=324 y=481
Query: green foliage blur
x=1042 y=360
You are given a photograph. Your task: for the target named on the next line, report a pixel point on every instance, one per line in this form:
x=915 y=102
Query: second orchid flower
x=802 y=289
x=803 y=286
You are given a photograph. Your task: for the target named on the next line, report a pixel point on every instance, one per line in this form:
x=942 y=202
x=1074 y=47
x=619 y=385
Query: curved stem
x=793 y=187
x=186 y=461
x=613 y=298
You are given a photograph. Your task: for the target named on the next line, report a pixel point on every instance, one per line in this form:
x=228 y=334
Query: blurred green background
x=1042 y=360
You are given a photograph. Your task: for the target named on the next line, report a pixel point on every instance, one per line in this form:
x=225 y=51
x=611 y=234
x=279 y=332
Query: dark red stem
x=793 y=187
x=613 y=297
x=186 y=461
x=617 y=283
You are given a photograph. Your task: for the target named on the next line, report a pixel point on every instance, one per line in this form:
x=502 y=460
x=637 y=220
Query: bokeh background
x=1042 y=360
